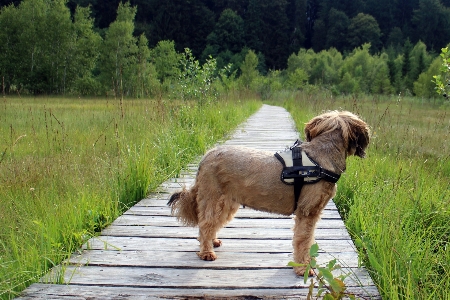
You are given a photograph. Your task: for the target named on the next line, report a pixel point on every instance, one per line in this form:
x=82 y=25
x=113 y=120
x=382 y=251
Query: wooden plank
x=129 y=243
x=161 y=199
x=191 y=278
x=191 y=232
x=242 y=213
x=188 y=259
x=133 y=220
x=81 y=292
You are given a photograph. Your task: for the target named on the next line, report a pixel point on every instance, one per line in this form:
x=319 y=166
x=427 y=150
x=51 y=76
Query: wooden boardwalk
x=147 y=254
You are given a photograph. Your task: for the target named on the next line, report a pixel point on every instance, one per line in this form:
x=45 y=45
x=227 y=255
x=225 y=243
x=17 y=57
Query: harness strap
x=299 y=169
x=298 y=181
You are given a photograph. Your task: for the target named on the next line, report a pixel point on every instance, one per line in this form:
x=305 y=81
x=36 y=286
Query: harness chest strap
x=300 y=169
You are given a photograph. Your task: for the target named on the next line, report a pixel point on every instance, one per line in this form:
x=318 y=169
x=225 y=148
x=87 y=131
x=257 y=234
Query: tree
x=358 y=65
x=186 y=23
x=395 y=38
x=248 y=69
x=254 y=25
x=406 y=66
x=296 y=13
x=10 y=54
x=364 y=29
x=85 y=53
x=424 y=86
x=166 y=61
x=380 y=83
x=228 y=33
x=337 y=30
x=432 y=21
x=383 y=11
x=119 y=49
x=319 y=38
x=43 y=45
x=145 y=81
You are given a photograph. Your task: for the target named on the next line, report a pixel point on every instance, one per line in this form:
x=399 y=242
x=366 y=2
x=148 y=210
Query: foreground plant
x=330 y=287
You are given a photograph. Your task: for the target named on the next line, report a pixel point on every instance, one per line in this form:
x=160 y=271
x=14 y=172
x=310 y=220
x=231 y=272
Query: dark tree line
x=142 y=48
x=277 y=28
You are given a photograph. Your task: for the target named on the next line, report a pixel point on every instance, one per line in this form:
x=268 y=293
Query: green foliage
x=328 y=286
x=297 y=79
x=425 y=86
x=166 y=61
x=442 y=80
x=363 y=29
x=118 y=52
x=228 y=33
x=431 y=20
x=45 y=52
x=337 y=31
x=196 y=81
x=248 y=69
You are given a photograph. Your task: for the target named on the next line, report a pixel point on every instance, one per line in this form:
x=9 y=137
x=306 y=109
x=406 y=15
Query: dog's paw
x=207 y=255
x=300 y=271
x=217 y=243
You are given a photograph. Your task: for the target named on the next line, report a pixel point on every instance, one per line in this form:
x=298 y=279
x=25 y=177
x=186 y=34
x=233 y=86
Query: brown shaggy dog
x=229 y=176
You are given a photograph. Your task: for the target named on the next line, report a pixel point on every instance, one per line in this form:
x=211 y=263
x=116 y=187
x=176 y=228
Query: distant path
x=146 y=253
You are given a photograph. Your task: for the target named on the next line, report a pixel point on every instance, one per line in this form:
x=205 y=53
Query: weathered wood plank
x=191 y=278
x=242 y=213
x=133 y=220
x=185 y=259
x=161 y=199
x=190 y=232
x=71 y=292
x=128 y=243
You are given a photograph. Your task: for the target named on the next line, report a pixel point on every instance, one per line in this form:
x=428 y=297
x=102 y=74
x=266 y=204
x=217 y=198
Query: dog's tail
x=184 y=206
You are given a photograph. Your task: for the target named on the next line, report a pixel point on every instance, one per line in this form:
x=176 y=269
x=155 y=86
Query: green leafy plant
x=195 y=80
x=442 y=81
x=330 y=287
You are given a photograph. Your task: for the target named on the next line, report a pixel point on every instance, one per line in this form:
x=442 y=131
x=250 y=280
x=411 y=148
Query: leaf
x=326 y=274
x=313 y=262
x=373 y=261
x=294 y=264
x=328 y=297
x=331 y=264
x=337 y=285
x=314 y=250
x=306 y=275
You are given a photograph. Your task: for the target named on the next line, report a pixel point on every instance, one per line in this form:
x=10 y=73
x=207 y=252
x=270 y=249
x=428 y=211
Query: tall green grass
x=396 y=202
x=69 y=167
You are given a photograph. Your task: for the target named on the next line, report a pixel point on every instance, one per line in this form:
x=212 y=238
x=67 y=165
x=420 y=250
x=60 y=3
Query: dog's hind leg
x=212 y=217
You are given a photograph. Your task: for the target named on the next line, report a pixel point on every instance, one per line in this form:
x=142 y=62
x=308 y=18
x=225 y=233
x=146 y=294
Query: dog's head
x=355 y=132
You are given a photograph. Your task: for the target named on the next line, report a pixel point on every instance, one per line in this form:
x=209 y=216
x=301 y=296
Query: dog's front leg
x=303 y=240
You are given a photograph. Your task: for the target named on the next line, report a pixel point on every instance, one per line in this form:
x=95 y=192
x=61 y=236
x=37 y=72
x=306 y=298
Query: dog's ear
x=356 y=133
x=312 y=128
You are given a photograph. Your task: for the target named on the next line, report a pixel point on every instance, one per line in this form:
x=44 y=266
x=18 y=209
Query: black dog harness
x=300 y=169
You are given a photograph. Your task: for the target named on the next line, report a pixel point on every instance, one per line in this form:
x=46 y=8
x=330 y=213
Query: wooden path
x=147 y=254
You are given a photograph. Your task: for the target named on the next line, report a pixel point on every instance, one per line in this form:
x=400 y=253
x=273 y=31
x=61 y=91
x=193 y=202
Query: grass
x=69 y=167
x=396 y=202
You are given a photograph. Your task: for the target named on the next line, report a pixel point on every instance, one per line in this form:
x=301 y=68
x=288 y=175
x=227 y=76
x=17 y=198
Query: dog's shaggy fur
x=229 y=176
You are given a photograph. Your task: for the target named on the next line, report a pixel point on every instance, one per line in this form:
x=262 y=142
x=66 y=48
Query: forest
x=139 y=48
